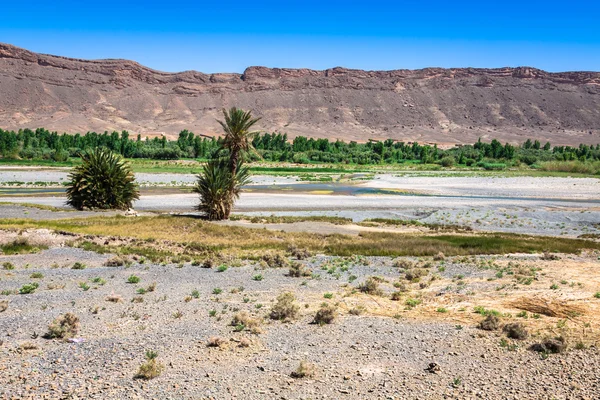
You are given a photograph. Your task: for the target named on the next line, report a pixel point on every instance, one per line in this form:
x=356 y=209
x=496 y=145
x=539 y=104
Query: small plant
x=217 y=291
x=114 y=262
x=285 y=308
x=36 y=275
x=441 y=310
x=177 y=314
x=243 y=320
x=63 y=327
x=212 y=313
x=326 y=314
x=515 y=331
x=304 y=370
x=258 y=277
x=3 y=305
x=151 y=287
x=597 y=295
x=371 y=286
x=78 y=265
x=8 y=266
x=358 y=310
x=151 y=368
x=456 y=382
x=29 y=288
x=411 y=303
x=99 y=281
x=133 y=279
x=328 y=295
x=84 y=286
x=490 y=323
x=195 y=294
x=222 y=268
x=141 y=291
x=554 y=286
x=396 y=296
x=114 y=298
x=298 y=270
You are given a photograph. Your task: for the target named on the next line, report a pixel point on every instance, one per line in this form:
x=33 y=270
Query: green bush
x=103 y=181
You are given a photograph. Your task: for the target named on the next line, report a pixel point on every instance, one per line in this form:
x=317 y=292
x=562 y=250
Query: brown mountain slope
x=429 y=105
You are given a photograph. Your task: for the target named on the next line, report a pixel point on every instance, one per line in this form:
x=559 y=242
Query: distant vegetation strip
x=52 y=148
x=195 y=237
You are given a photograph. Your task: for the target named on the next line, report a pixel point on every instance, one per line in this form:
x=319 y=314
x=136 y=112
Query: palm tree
x=102 y=181
x=218 y=188
x=238 y=138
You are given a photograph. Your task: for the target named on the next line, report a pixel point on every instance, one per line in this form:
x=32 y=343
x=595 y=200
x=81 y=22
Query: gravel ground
x=356 y=357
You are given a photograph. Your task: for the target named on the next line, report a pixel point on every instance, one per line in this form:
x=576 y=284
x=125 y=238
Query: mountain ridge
x=442 y=105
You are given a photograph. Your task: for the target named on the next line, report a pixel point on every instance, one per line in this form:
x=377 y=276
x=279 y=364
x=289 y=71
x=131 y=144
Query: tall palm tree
x=238 y=136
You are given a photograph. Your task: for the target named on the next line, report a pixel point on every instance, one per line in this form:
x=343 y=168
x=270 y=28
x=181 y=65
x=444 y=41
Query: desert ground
x=515 y=318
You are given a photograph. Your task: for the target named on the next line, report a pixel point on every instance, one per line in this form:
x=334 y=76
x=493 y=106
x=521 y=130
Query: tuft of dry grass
x=28 y=346
x=285 y=308
x=304 y=370
x=298 y=270
x=371 y=286
x=3 y=305
x=114 y=298
x=242 y=320
x=550 y=307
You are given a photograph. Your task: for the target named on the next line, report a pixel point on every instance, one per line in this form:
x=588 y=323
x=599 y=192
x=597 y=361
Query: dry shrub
x=371 y=286
x=415 y=274
x=28 y=346
x=326 y=314
x=358 y=310
x=275 y=260
x=304 y=370
x=54 y=286
x=216 y=341
x=245 y=342
x=551 y=308
x=3 y=305
x=515 y=330
x=298 y=270
x=114 y=298
x=115 y=262
x=489 y=323
x=243 y=318
x=396 y=296
x=547 y=256
x=285 y=308
x=403 y=263
x=439 y=257
x=299 y=253
x=209 y=263
x=555 y=345
x=63 y=327
x=151 y=368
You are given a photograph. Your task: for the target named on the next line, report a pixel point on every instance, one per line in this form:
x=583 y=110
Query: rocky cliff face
x=428 y=105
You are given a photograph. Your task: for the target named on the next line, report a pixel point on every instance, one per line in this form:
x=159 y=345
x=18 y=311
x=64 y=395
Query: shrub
x=3 y=305
x=298 y=270
x=489 y=323
x=275 y=260
x=102 y=181
x=78 y=265
x=133 y=279
x=515 y=331
x=115 y=262
x=415 y=274
x=8 y=266
x=326 y=314
x=63 y=327
x=285 y=308
x=20 y=245
x=403 y=263
x=304 y=370
x=215 y=341
x=447 y=161
x=29 y=288
x=555 y=346
x=371 y=286
x=300 y=254
x=214 y=185
x=242 y=320
x=151 y=368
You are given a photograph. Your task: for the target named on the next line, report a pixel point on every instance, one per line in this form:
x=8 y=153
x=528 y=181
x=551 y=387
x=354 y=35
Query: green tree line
x=42 y=144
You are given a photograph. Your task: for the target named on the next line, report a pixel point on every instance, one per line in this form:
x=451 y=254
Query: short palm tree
x=102 y=181
x=219 y=188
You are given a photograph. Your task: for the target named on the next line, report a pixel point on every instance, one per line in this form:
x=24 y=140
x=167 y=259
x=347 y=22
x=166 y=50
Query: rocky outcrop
x=433 y=104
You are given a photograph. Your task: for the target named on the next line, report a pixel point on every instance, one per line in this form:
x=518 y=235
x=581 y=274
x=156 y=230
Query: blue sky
x=211 y=37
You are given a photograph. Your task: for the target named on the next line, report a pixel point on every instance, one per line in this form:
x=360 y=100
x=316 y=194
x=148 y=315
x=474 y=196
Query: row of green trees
x=43 y=144
x=104 y=180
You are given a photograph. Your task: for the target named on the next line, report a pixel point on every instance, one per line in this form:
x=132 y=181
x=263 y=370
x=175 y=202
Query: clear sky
x=230 y=36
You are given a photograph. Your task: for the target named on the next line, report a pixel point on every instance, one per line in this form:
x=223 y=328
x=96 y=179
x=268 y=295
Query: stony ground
x=375 y=348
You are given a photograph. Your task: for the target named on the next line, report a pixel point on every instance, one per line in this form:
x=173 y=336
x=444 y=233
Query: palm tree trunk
x=233 y=163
